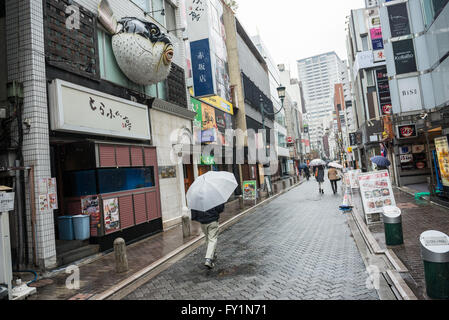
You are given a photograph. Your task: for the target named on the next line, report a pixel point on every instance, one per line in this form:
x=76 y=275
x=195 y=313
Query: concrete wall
x=26 y=64
x=163 y=125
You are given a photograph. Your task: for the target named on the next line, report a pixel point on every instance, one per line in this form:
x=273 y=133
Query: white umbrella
x=317 y=162
x=210 y=190
x=335 y=165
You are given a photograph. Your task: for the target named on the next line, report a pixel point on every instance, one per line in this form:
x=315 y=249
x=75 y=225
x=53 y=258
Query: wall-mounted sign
x=399 y=21
x=111 y=215
x=142 y=51
x=379 y=55
x=406 y=158
x=78 y=109
x=167 y=172
x=410 y=94
x=220 y=103
x=404 y=56
x=407 y=131
x=6 y=201
x=383 y=89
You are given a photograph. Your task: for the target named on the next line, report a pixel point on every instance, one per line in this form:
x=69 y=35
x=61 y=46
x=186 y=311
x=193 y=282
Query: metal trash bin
x=435 y=255
x=393 y=226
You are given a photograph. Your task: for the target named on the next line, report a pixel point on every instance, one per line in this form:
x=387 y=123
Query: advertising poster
x=43 y=185
x=43 y=202
x=91 y=206
x=442 y=147
x=53 y=201
x=383 y=87
x=376 y=38
x=376 y=191
x=249 y=190
x=404 y=56
x=399 y=22
x=6 y=201
x=111 y=214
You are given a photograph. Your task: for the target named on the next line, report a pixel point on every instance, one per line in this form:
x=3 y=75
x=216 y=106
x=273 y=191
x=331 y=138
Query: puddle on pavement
x=243 y=269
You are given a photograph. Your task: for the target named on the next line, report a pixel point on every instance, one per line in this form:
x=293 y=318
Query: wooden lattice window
x=73 y=50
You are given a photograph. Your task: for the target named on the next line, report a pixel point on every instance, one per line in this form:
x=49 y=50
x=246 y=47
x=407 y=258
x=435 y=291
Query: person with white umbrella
x=206 y=198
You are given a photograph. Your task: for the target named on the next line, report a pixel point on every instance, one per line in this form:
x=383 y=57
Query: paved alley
x=298 y=247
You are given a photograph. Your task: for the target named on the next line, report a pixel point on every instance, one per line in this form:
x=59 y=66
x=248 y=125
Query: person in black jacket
x=209 y=225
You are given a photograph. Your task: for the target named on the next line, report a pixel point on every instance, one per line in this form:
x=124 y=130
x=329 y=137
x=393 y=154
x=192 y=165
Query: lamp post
x=281 y=94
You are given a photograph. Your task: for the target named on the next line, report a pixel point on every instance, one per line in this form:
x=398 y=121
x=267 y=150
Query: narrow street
x=298 y=247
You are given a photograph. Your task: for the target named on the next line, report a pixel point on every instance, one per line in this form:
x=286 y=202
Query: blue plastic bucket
x=65 y=226
x=81 y=226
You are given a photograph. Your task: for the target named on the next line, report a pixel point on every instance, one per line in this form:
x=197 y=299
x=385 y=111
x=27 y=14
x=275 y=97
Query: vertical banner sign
x=383 y=88
x=442 y=147
x=249 y=190
x=198 y=121
x=376 y=39
x=376 y=191
x=203 y=81
x=404 y=56
x=399 y=21
x=209 y=130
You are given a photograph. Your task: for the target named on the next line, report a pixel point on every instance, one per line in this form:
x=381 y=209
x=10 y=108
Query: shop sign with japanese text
x=79 y=109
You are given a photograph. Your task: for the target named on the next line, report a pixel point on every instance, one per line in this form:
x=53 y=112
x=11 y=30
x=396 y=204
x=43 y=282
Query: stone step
x=77 y=254
x=63 y=246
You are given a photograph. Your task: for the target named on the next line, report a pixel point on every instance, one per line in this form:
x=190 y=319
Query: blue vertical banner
x=203 y=81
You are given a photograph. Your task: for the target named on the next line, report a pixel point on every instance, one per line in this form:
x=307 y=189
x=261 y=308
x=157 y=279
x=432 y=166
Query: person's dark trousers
x=334 y=186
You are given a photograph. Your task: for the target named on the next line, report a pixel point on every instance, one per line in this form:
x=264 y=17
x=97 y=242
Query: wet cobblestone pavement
x=297 y=247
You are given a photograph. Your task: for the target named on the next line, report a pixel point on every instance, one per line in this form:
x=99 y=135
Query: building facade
x=89 y=138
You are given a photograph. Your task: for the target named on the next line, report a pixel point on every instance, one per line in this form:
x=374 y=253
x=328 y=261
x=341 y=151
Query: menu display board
x=376 y=191
x=442 y=147
x=90 y=206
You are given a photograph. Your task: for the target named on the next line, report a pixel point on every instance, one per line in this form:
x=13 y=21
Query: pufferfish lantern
x=143 y=53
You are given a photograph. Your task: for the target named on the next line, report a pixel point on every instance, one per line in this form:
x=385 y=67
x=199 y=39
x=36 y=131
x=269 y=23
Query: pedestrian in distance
x=307 y=173
x=210 y=226
x=334 y=177
x=320 y=177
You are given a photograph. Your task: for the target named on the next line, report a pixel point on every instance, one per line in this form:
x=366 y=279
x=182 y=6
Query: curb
x=145 y=271
x=394 y=275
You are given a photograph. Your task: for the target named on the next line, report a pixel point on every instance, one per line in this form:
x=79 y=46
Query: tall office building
x=319 y=74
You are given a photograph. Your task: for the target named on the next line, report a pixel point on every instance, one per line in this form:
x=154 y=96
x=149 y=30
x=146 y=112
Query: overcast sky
x=296 y=29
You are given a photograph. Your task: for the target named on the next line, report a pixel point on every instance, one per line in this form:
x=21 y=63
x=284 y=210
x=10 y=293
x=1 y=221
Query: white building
x=318 y=75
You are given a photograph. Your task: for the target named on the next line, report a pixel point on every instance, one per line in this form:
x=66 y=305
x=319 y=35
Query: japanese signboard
x=407 y=131
x=442 y=148
x=376 y=191
x=203 y=81
x=383 y=88
x=78 y=109
x=249 y=190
